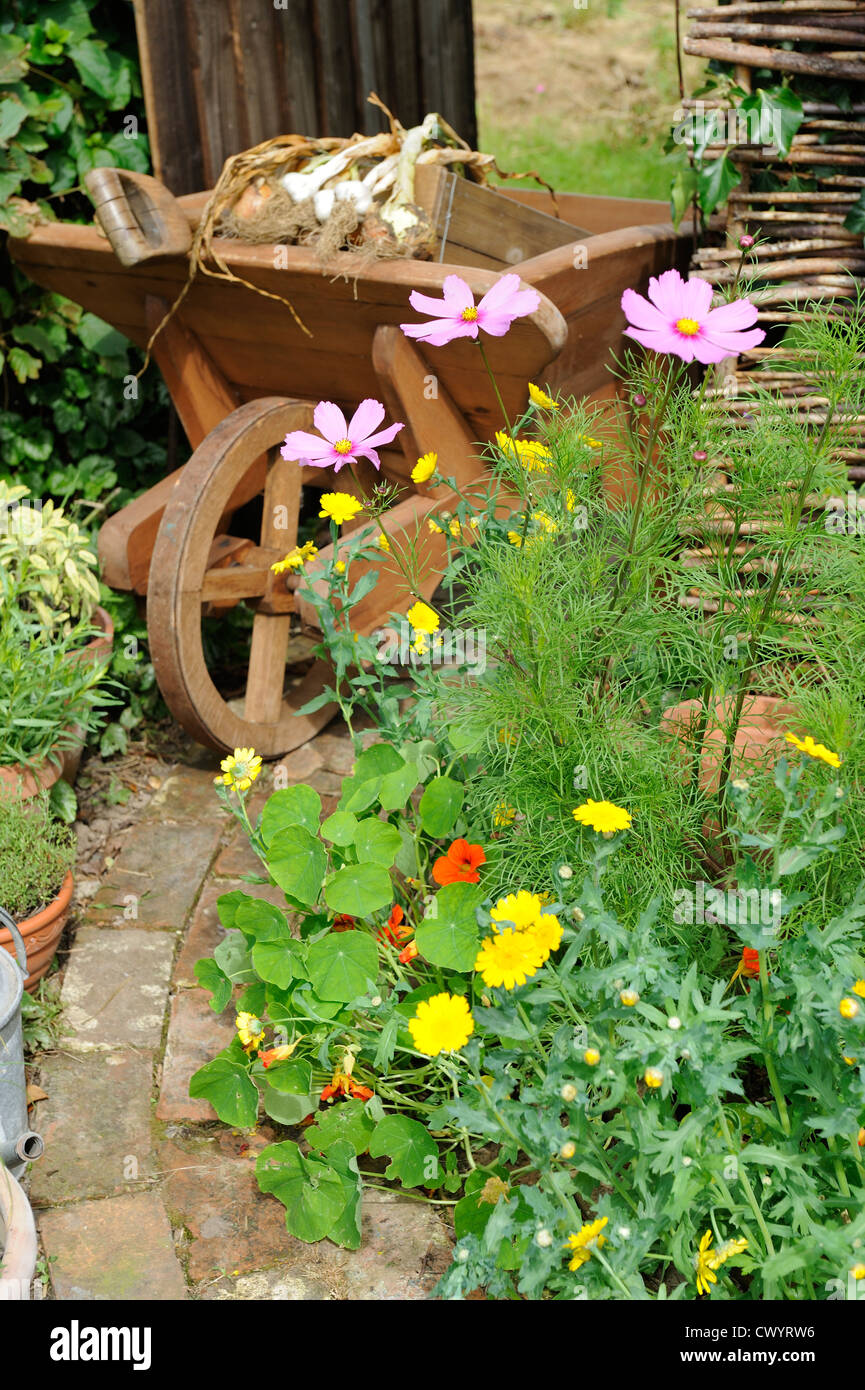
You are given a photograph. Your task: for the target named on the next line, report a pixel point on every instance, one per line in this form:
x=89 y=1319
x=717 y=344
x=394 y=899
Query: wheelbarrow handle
x=18 y=940
x=141 y=219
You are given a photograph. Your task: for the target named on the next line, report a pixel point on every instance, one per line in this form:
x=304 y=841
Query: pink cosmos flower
x=457 y=315
x=341 y=443
x=679 y=319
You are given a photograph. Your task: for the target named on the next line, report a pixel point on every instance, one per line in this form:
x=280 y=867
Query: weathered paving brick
x=188 y=794
x=195 y=1035
x=96 y=1126
x=157 y=876
x=120 y=1247
x=116 y=989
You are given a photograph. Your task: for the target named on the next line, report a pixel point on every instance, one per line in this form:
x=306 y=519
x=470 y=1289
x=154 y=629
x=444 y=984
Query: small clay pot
x=41 y=933
x=759 y=738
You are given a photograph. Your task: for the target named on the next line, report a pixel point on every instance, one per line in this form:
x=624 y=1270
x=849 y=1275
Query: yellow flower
x=568 y=1149
x=814 y=750
x=296 y=558
x=425 y=467
x=250 y=1030
x=592 y=443
x=240 y=769
x=848 y=1008
x=539 y=397
x=384 y=543
x=419 y=644
x=581 y=1242
x=859 y=988
x=340 y=566
x=547 y=932
x=858 y=1271
x=629 y=998
x=339 y=506
x=706 y=1258
x=545 y=522
x=443 y=1023
x=531 y=453
x=520 y=910
x=454 y=526
x=603 y=816
x=570 y=500
x=434 y=527
x=653 y=1077
x=506 y=736
x=423 y=618
x=509 y=958
x=503 y=815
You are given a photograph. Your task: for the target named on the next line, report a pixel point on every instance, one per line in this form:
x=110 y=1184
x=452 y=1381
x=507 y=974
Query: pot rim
x=48 y=912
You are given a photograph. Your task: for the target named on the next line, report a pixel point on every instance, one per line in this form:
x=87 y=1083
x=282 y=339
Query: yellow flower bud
x=629 y=998
x=858 y=1271
x=848 y=1008
x=568 y=1092
x=568 y=1150
x=591 y=1056
x=653 y=1077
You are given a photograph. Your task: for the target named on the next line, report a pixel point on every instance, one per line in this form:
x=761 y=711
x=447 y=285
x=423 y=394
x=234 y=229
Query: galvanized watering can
x=18 y=1143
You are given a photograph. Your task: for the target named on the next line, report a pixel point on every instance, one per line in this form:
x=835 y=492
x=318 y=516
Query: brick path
x=142 y=1193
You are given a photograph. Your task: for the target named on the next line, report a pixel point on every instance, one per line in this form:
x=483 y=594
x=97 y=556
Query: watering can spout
x=25 y=1149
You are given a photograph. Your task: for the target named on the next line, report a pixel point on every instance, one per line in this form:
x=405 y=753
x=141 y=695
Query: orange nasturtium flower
x=342 y=1084
x=393 y=929
x=409 y=952
x=460 y=864
x=749 y=964
x=276 y=1054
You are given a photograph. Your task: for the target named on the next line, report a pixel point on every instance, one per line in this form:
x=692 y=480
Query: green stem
x=769 y=1061
x=746 y=1186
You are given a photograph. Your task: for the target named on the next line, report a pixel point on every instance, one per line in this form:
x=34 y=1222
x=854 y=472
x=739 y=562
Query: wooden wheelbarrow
x=242 y=374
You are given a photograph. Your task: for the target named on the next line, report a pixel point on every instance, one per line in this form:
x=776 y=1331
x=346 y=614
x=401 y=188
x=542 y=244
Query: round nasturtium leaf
x=450 y=938
x=440 y=806
x=314 y=1196
x=377 y=842
x=339 y=828
x=297 y=862
x=359 y=890
x=342 y=965
x=290 y=806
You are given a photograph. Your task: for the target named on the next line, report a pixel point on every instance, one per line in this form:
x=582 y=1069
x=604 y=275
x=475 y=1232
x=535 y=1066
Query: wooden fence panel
x=223 y=75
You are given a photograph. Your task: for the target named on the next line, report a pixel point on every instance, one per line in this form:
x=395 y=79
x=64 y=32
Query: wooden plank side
x=296 y=46
x=373 y=72
x=172 y=116
x=404 y=97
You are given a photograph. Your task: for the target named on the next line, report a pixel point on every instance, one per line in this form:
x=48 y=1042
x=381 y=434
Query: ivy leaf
x=450 y=938
x=410 y=1147
x=342 y=965
x=313 y=1195
x=105 y=72
x=230 y=1090
x=715 y=182
x=13 y=114
x=780 y=115
x=13 y=59
x=440 y=806
x=855 y=219
x=290 y=806
x=359 y=889
x=297 y=862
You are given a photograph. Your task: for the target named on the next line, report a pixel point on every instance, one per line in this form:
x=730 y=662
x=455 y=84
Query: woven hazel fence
x=794 y=205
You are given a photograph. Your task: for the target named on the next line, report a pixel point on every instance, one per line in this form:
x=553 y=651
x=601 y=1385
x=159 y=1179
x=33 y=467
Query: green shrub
x=36 y=853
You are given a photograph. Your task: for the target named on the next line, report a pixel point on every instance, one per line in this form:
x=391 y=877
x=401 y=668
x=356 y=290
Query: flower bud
x=578 y=914
x=746 y=242
x=860 y=1138
x=544 y=1238
x=700 y=455
x=675 y=1022
x=591 y=1056
x=568 y=1149
x=653 y=1077
x=858 y=1271
x=629 y=998
x=565 y=871
x=639 y=400
x=568 y=1092
x=848 y=1008
x=461 y=1255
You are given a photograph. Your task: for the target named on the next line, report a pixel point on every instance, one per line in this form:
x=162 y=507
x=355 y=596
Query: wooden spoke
x=198 y=569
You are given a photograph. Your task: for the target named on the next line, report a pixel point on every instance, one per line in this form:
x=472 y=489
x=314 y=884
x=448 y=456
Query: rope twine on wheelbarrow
x=387 y=229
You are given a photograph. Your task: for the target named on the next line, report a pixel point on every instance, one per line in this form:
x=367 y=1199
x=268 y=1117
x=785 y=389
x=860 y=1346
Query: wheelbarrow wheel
x=198 y=569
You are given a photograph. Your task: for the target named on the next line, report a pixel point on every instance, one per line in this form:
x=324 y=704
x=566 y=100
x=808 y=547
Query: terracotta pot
x=759 y=739
x=17 y=1241
x=41 y=933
